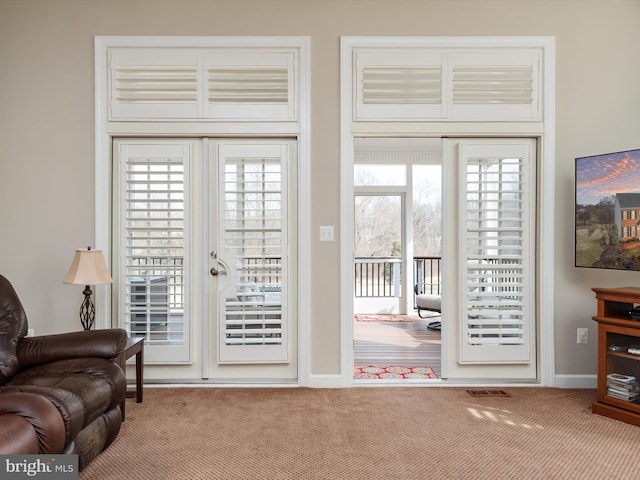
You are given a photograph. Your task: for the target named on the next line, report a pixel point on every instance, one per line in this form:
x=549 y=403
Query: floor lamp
x=88 y=268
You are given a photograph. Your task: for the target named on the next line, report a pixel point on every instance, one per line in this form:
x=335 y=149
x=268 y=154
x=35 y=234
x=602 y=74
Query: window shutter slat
x=246 y=84
x=407 y=86
x=253 y=210
x=153 y=84
x=398 y=84
x=496 y=237
x=499 y=85
x=423 y=84
x=250 y=85
x=494 y=85
x=158 y=84
x=152 y=269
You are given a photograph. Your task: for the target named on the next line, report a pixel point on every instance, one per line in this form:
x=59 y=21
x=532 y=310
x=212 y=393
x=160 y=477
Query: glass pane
x=154 y=214
x=254 y=216
x=495 y=257
x=379 y=175
x=427 y=227
x=427 y=210
x=378 y=245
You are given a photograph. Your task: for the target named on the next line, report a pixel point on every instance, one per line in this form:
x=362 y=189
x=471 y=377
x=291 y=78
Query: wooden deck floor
x=408 y=344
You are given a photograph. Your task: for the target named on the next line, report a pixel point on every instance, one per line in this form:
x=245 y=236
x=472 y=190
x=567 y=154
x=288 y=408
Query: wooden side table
x=135 y=346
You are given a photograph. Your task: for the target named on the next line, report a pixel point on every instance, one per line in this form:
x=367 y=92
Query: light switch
x=326 y=233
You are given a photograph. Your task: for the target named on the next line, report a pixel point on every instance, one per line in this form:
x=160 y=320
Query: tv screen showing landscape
x=607 y=211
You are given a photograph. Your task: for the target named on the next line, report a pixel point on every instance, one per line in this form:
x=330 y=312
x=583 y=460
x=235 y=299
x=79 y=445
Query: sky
x=607 y=174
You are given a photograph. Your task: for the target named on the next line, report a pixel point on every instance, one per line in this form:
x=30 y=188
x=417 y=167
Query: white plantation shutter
x=500 y=85
x=249 y=85
x=496 y=241
x=148 y=84
x=414 y=84
x=253 y=314
x=153 y=270
x=398 y=84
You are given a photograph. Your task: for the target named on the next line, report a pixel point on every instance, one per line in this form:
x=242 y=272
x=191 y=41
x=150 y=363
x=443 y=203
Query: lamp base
x=87 y=309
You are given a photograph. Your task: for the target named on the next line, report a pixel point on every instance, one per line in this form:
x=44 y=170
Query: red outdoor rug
x=382 y=318
x=373 y=372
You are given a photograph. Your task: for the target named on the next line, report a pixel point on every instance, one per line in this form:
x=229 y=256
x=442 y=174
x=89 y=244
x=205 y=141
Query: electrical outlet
x=583 y=335
x=31 y=332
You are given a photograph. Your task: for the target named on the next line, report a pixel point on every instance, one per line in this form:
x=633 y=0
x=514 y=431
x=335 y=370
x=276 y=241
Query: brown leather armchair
x=75 y=373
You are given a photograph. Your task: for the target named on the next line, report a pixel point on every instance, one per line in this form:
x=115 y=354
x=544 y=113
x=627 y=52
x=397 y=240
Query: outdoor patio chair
x=429 y=302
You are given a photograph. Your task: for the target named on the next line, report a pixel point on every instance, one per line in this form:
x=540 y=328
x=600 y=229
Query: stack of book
x=623 y=387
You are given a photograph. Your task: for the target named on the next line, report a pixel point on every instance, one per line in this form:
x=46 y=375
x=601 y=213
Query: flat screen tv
x=607 y=211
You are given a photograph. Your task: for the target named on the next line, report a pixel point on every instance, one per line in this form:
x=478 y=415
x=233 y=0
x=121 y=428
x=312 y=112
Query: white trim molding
x=324 y=381
x=576 y=381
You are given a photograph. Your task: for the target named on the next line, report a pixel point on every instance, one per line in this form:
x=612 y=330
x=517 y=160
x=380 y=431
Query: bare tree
x=377 y=225
x=605 y=213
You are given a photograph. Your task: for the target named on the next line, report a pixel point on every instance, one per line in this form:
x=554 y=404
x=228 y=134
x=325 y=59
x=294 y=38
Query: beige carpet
x=367 y=433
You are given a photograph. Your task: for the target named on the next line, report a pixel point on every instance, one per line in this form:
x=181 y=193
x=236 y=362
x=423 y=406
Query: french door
x=205 y=245
x=250 y=293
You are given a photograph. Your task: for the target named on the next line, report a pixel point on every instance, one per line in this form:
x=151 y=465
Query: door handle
x=214 y=270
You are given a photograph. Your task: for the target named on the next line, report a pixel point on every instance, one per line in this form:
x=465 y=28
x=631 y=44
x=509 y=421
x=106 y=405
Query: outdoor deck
x=408 y=344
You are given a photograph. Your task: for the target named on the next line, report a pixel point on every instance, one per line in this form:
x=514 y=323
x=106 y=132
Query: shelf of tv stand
x=624 y=355
x=622 y=413
x=615 y=326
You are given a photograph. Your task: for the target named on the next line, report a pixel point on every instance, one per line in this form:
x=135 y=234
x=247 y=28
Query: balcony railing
x=374 y=276
x=378 y=277
x=382 y=276
x=427 y=274
x=253 y=269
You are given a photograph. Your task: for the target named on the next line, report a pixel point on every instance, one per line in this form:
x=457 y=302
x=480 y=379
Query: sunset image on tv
x=608 y=211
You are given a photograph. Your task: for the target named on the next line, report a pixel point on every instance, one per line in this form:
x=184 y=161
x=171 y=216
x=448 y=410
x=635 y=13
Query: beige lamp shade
x=88 y=268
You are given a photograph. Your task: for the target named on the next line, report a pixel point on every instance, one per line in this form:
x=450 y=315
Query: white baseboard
x=324 y=381
x=576 y=381
x=561 y=381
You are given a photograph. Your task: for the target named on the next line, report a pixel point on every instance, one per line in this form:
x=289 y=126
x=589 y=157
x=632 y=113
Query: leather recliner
x=58 y=393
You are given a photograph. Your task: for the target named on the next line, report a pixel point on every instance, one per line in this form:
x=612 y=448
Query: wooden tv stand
x=616 y=331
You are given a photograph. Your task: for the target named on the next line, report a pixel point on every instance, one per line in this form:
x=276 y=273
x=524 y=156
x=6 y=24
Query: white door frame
x=105 y=131
x=546 y=134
